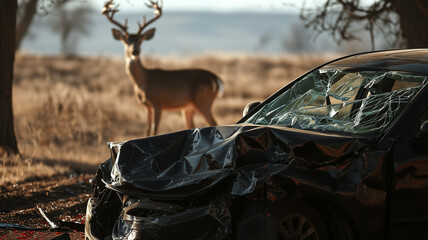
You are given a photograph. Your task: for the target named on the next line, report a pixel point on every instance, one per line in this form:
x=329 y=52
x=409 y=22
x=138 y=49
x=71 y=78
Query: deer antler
x=109 y=11
x=157 y=14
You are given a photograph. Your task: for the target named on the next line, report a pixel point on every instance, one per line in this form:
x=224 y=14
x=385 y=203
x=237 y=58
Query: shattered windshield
x=343 y=100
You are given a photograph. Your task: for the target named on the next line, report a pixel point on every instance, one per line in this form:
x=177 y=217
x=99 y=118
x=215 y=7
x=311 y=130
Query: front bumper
x=196 y=223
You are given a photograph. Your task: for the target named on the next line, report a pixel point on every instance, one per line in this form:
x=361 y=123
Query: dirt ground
x=62 y=199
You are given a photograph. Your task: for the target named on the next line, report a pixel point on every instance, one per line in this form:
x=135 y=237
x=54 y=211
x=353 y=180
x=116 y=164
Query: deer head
x=132 y=42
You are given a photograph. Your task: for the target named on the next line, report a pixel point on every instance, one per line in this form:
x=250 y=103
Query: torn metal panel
x=210 y=155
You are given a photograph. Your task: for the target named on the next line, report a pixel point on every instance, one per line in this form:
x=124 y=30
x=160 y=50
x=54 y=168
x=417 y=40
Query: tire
x=284 y=221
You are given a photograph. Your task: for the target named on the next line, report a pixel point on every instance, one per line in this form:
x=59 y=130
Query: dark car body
x=348 y=139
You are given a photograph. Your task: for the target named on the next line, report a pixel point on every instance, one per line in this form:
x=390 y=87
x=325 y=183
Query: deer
x=188 y=90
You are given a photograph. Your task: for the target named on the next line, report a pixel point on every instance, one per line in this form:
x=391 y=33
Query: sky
x=226 y=5
x=212 y=5
x=273 y=6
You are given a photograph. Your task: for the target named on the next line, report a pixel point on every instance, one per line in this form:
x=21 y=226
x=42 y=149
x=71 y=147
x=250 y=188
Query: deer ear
x=117 y=34
x=149 y=34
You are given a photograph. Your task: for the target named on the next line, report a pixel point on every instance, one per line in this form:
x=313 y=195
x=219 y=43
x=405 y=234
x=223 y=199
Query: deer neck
x=137 y=72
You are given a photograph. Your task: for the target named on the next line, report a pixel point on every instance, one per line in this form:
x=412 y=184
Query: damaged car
x=339 y=153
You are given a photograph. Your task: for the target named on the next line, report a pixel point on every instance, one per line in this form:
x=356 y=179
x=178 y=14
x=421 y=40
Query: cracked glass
x=344 y=100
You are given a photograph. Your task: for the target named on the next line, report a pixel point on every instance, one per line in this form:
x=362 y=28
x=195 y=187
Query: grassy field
x=66 y=109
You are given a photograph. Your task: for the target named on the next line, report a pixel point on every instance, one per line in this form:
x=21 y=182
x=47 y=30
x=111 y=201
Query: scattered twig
x=53 y=225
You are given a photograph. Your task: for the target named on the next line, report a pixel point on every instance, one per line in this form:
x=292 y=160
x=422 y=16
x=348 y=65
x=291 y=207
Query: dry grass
x=66 y=109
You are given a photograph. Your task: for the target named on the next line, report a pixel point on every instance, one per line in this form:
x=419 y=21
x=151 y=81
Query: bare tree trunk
x=413 y=21
x=8 y=142
x=24 y=22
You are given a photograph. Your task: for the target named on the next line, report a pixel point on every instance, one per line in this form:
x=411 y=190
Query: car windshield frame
x=346 y=100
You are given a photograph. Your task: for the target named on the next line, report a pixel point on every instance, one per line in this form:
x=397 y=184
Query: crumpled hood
x=192 y=161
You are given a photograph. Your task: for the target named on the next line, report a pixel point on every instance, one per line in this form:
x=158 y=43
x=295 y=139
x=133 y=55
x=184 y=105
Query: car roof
x=409 y=60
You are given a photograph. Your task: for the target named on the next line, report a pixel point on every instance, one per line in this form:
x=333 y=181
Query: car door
x=409 y=193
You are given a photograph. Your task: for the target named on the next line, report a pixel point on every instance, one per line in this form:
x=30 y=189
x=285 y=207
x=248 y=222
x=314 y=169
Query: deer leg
x=158 y=114
x=188 y=117
x=149 y=120
x=203 y=102
x=206 y=113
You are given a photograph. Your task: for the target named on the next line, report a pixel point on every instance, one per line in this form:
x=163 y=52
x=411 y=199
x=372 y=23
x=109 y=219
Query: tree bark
x=25 y=21
x=413 y=22
x=8 y=143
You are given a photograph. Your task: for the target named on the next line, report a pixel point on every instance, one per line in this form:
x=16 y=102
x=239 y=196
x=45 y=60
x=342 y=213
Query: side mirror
x=423 y=131
x=250 y=106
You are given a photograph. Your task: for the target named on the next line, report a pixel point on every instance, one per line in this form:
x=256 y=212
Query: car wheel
x=297 y=227
x=298 y=221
